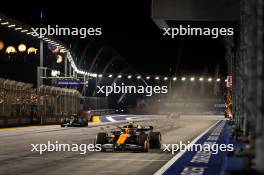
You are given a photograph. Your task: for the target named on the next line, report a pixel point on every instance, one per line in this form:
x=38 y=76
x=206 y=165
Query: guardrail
x=10 y=121
x=27 y=120
x=101 y=111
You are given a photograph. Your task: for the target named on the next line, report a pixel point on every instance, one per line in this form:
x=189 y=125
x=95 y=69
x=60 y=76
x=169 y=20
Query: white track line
x=130 y=118
x=136 y=160
x=89 y=159
x=177 y=156
x=110 y=119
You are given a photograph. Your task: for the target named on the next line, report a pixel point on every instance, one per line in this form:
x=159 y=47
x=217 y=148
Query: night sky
x=128 y=31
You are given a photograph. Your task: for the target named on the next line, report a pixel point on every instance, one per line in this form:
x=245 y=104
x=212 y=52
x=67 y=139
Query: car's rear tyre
x=86 y=122
x=62 y=122
x=155 y=140
x=82 y=122
x=143 y=141
x=101 y=138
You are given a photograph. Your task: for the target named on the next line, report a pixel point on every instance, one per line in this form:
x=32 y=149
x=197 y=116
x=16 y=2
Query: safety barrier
x=27 y=120
x=10 y=121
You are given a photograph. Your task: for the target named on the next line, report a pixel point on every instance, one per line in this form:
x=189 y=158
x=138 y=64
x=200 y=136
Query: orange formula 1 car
x=130 y=137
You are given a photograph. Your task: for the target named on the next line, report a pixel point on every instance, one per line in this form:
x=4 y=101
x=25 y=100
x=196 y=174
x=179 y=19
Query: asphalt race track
x=16 y=157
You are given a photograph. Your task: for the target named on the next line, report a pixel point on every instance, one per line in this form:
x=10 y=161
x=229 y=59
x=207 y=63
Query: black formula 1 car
x=130 y=137
x=73 y=121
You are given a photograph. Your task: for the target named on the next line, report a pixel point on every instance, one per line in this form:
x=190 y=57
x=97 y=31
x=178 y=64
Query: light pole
x=65 y=67
x=39 y=71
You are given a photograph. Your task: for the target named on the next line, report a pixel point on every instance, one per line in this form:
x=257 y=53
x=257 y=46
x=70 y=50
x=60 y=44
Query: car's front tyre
x=155 y=140
x=143 y=142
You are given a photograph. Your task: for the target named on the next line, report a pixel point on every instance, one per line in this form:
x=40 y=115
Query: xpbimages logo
x=65 y=147
x=56 y=30
x=147 y=90
x=208 y=146
x=198 y=31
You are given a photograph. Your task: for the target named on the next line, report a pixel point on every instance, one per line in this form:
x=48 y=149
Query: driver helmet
x=127 y=130
x=130 y=124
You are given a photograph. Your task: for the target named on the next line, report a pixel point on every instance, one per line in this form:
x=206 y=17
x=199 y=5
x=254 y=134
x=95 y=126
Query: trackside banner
x=202 y=162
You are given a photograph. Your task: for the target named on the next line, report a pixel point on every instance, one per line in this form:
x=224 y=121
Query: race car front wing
x=111 y=146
